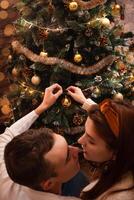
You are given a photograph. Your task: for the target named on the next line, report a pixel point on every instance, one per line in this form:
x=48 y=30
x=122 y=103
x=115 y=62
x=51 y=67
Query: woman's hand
x=52 y=93
x=76 y=94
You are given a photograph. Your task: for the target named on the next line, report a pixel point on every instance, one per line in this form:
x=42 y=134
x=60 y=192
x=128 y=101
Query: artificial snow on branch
x=87 y=70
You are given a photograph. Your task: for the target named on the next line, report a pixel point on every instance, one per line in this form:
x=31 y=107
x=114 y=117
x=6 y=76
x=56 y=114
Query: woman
x=108 y=142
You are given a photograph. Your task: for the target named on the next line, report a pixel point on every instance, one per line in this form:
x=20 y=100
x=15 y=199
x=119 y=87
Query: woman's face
x=94 y=147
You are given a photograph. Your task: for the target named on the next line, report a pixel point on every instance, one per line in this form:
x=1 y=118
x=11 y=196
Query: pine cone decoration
x=78 y=119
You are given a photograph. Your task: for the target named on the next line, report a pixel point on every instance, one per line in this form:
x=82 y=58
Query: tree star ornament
x=73 y=6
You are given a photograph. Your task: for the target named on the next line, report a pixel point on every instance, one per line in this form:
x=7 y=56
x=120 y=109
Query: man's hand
x=51 y=95
x=76 y=94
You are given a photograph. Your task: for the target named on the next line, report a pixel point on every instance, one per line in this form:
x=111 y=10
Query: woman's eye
x=91 y=142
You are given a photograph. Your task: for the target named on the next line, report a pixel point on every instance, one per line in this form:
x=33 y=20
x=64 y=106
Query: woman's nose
x=81 y=140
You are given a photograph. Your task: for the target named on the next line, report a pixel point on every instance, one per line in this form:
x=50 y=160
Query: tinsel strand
x=88 y=70
x=89 y=4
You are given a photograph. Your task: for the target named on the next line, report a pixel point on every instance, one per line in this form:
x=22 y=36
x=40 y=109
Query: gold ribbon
x=111 y=115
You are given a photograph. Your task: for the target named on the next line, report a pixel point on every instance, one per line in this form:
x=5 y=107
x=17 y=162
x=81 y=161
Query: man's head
x=40 y=158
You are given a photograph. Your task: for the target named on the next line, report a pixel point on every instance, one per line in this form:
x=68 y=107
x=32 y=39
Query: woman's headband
x=111 y=115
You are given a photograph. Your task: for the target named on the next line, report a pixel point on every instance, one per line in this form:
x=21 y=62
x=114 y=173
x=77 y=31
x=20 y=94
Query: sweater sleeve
x=87 y=104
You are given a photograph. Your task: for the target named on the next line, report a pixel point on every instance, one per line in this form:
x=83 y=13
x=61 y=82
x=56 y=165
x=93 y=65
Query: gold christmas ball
x=15 y=71
x=66 y=102
x=131 y=78
x=117 y=6
x=73 y=6
x=35 y=80
x=97 y=91
x=43 y=54
x=116 y=10
x=6 y=109
x=118 y=96
x=77 y=58
x=105 y=21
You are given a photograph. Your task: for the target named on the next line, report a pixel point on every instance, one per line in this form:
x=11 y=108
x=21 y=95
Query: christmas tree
x=70 y=42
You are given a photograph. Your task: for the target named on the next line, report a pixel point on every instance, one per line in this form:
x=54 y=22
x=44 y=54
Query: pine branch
x=74 y=130
x=89 y=4
x=88 y=70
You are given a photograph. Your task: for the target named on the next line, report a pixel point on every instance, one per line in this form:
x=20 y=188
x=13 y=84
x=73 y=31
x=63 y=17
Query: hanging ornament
x=6 y=110
x=10 y=58
x=56 y=123
x=78 y=119
x=77 y=58
x=118 y=96
x=35 y=80
x=15 y=72
x=130 y=57
x=105 y=22
x=73 y=6
x=132 y=89
x=66 y=102
x=96 y=92
x=43 y=54
x=98 y=79
x=97 y=58
x=116 y=9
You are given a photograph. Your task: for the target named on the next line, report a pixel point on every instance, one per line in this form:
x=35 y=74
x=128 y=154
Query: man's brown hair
x=24 y=157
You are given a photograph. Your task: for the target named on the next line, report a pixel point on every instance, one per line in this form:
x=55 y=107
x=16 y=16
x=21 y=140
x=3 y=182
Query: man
x=37 y=161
